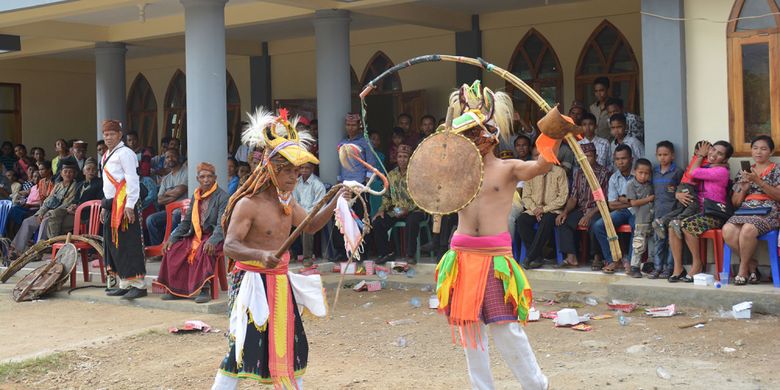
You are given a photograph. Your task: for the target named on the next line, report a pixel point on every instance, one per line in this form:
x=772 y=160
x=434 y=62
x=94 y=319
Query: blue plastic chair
x=522 y=250
x=5 y=208
x=771 y=240
x=424 y=229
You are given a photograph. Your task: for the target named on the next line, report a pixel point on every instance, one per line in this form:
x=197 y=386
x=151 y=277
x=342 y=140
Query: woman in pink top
x=713 y=182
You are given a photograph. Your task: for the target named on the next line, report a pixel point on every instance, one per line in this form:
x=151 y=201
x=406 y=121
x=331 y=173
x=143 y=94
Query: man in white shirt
x=308 y=192
x=124 y=252
x=589 y=123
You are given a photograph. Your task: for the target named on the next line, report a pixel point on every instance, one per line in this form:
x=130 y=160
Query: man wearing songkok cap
x=580 y=209
x=267 y=341
x=190 y=253
x=397 y=206
x=124 y=252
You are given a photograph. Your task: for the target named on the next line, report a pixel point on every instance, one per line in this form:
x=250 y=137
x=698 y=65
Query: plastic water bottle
x=717 y=284
x=622 y=320
x=410 y=273
x=416 y=303
x=382 y=275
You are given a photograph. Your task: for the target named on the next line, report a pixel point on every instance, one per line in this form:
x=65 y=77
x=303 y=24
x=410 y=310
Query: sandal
x=755 y=277
x=682 y=277
x=654 y=275
x=596 y=265
x=609 y=268
x=740 y=280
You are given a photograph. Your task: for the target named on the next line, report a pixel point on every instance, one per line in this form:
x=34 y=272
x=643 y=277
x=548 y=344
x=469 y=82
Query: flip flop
x=609 y=268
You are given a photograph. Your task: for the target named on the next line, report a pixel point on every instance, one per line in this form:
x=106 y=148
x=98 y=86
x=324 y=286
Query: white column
x=204 y=41
x=110 y=82
x=331 y=36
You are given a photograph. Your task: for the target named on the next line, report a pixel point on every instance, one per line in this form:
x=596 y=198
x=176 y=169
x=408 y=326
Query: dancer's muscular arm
x=235 y=240
x=320 y=219
x=527 y=170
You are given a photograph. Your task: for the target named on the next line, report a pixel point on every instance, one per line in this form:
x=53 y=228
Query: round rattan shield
x=445 y=173
x=68 y=256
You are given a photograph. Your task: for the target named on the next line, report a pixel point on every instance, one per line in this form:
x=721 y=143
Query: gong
x=444 y=173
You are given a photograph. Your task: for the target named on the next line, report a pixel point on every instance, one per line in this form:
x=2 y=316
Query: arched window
x=142 y=111
x=608 y=53
x=535 y=62
x=754 y=72
x=379 y=63
x=233 y=115
x=176 y=107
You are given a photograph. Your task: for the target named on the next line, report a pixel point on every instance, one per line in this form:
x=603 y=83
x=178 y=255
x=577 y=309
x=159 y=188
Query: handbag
x=756 y=211
x=722 y=211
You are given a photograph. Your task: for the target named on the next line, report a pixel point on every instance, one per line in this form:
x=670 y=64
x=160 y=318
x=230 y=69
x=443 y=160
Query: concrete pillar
x=331 y=36
x=110 y=82
x=260 y=79
x=204 y=41
x=469 y=44
x=663 y=78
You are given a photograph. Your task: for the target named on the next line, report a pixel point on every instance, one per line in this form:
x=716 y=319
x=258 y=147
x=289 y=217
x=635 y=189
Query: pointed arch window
x=535 y=62
x=233 y=114
x=176 y=107
x=753 y=72
x=608 y=53
x=142 y=111
x=379 y=63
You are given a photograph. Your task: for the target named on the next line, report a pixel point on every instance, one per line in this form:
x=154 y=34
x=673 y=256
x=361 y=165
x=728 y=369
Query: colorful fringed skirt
x=479 y=280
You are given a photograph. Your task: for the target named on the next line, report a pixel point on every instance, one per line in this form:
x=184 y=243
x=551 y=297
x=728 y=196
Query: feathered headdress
x=476 y=106
x=277 y=135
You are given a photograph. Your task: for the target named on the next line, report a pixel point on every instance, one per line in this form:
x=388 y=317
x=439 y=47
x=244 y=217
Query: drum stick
x=436 y=223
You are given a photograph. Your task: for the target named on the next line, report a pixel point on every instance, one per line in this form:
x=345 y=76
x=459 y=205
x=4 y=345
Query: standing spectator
x=544 y=197
x=427 y=125
x=80 y=154
x=173 y=187
x=581 y=209
x=232 y=171
x=599 y=107
x=133 y=142
x=640 y=193
x=62 y=147
x=158 y=161
x=192 y=249
x=603 y=155
x=666 y=178
x=308 y=192
x=616 y=195
x=7 y=157
x=397 y=206
x=101 y=151
x=566 y=159
x=38 y=155
x=61 y=197
x=375 y=201
x=522 y=147
x=392 y=153
x=758 y=193
x=243 y=172
x=577 y=111
x=617 y=125
x=61 y=219
x=635 y=126
x=23 y=161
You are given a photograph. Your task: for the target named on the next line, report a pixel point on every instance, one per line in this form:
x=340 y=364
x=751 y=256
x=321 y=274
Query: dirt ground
x=115 y=347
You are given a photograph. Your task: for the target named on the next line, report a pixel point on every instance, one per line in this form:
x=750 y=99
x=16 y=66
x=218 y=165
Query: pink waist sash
x=464 y=241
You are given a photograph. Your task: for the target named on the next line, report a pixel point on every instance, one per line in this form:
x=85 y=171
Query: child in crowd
x=639 y=191
x=680 y=211
x=666 y=178
x=243 y=172
x=617 y=127
x=392 y=154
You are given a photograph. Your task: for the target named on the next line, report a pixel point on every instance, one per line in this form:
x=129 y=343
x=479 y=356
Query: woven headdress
x=474 y=106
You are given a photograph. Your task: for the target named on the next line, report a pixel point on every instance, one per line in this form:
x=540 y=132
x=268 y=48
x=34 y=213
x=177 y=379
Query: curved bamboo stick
x=595 y=187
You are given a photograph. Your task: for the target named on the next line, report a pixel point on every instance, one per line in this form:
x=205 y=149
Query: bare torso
x=487 y=214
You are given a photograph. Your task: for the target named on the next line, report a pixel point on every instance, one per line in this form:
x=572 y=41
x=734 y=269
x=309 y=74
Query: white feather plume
x=253 y=134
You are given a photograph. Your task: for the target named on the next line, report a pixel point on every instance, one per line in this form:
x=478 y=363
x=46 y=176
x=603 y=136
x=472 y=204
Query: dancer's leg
x=513 y=345
x=224 y=382
x=478 y=361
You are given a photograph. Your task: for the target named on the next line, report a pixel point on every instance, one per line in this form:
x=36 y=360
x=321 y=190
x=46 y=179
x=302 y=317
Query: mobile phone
x=745 y=165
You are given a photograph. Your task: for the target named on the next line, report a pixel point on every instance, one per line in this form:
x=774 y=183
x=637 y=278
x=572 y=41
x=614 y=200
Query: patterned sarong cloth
x=267 y=341
x=184 y=278
x=125 y=256
x=478 y=279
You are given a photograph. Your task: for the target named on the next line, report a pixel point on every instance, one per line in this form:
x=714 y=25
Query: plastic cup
x=724 y=278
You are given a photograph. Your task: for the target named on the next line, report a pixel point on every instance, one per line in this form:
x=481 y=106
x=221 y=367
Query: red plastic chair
x=182 y=205
x=220 y=275
x=717 y=240
x=91 y=226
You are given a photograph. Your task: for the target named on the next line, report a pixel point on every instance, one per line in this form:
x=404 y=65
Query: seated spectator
x=61 y=197
x=7 y=157
x=20 y=197
x=713 y=181
x=23 y=161
x=523 y=127
x=13 y=183
x=602 y=145
x=577 y=111
x=617 y=126
x=243 y=172
x=80 y=154
x=62 y=147
x=133 y=142
x=375 y=201
x=6 y=184
x=158 y=161
x=581 y=209
x=38 y=155
x=427 y=125
x=544 y=197
x=635 y=127
x=641 y=194
x=308 y=192
x=616 y=196
x=232 y=172
x=191 y=251
x=522 y=147
x=397 y=206
x=566 y=158
x=173 y=187
x=91 y=188
x=32 y=201
x=758 y=193
x=392 y=153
